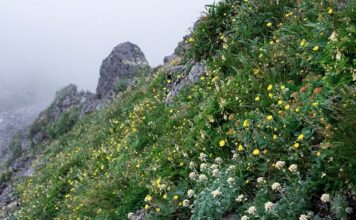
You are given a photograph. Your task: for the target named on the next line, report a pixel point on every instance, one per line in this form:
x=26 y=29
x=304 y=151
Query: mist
x=47 y=44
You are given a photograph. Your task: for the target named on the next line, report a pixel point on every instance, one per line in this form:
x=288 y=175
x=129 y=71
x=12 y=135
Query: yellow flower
x=283 y=87
x=330 y=10
x=316 y=48
x=287 y=107
x=165 y=196
x=175 y=197
x=246 y=123
x=256 y=152
x=270 y=87
x=297 y=110
x=303 y=43
x=222 y=143
x=147 y=206
x=318 y=154
x=275 y=137
x=240 y=148
x=257 y=98
x=269 y=117
x=280 y=102
x=315 y=104
x=270 y=95
x=265 y=151
x=158 y=209
x=148 y=198
x=296 y=145
x=300 y=137
x=269 y=24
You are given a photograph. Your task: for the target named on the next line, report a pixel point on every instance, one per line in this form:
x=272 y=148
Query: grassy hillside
x=266 y=133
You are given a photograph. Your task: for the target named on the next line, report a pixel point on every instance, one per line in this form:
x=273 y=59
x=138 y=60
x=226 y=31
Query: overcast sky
x=57 y=42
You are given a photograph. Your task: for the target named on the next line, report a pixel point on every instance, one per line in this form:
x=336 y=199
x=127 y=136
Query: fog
x=47 y=44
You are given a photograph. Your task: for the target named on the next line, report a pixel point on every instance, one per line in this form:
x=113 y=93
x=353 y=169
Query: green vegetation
x=65 y=123
x=266 y=133
x=15 y=148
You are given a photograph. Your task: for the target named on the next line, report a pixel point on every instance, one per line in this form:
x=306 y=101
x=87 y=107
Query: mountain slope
x=252 y=118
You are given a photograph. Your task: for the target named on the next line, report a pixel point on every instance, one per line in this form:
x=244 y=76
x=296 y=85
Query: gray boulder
x=124 y=63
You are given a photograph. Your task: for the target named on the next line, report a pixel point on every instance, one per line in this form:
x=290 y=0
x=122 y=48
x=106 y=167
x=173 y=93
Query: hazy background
x=47 y=44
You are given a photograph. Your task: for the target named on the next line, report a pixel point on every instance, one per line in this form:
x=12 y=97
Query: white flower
x=338 y=56
x=333 y=36
x=203 y=167
x=202 y=157
x=303 y=217
x=261 y=180
x=230 y=180
x=252 y=210
x=214 y=166
x=216 y=172
x=216 y=193
x=240 y=198
x=202 y=177
x=276 y=187
x=218 y=160
x=293 y=168
x=130 y=215
x=162 y=187
x=244 y=217
x=190 y=193
x=186 y=203
x=269 y=206
x=191 y=165
x=231 y=168
x=325 y=198
x=235 y=156
x=192 y=175
x=280 y=164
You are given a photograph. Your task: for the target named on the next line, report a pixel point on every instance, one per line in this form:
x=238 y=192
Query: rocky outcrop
x=66 y=98
x=117 y=72
x=125 y=62
x=192 y=71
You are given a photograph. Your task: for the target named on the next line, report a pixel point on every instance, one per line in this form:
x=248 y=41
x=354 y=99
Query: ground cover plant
x=266 y=133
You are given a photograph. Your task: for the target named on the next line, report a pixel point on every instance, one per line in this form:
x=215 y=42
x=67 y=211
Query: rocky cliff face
x=125 y=62
x=118 y=71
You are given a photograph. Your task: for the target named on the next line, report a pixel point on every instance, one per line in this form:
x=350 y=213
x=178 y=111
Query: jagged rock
x=196 y=69
x=66 y=98
x=91 y=104
x=6 y=196
x=124 y=63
